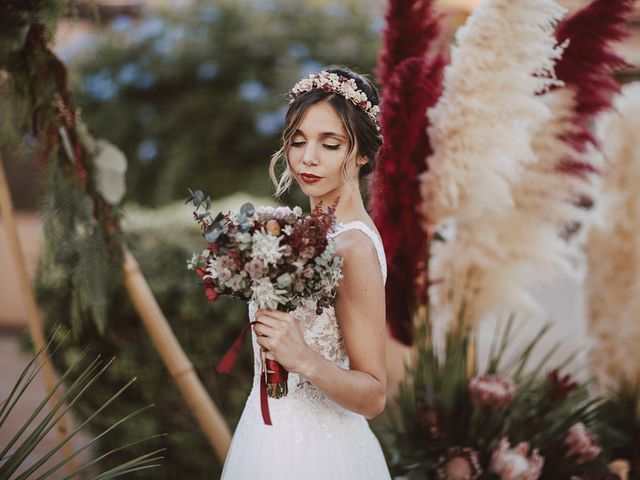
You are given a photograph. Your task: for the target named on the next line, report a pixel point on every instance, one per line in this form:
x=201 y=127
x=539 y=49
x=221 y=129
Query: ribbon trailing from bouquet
x=228 y=361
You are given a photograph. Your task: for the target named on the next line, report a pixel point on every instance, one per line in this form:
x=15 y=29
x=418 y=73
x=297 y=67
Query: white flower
x=288 y=229
x=297 y=210
x=212 y=270
x=282 y=212
x=266 y=247
x=265 y=295
x=265 y=210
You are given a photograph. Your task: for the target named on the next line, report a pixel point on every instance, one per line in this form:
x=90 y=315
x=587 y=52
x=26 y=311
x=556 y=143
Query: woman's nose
x=310 y=155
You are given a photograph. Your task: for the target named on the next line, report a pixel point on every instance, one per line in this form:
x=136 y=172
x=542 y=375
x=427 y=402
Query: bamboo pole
x=180 y=368
x=33 y=314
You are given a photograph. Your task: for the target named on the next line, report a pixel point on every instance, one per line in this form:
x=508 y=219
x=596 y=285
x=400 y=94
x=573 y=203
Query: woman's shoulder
x=358 y=243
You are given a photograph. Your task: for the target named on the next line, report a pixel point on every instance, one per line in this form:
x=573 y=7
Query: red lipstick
x=309 y=178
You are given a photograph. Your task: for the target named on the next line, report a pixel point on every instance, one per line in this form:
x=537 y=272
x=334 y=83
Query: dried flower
x=266 y=247
x=265 y=295
x=429 y=422
x=211 y=293
x=561 y=386
x=581 y=444
x=492 y=391
x=255 y=268
x=459 y=464
x=516 y=463
x=273 y=227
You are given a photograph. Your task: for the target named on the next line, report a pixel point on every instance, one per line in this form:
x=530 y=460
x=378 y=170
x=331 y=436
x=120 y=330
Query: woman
x=336 y=360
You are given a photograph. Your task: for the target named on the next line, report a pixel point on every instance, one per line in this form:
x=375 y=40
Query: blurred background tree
x=196 y=96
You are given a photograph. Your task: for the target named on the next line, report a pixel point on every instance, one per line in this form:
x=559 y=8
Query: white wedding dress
x=311 y=437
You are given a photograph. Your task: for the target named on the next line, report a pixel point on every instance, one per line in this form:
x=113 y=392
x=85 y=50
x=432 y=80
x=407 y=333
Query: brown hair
x=361 y=129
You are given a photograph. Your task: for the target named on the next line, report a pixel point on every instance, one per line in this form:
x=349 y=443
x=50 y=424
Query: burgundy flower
x=561 y=386
x=492 y=391
x=516 y=463
x=211 y=293
x=459 y=464
x=429 y=422
x=581 y=444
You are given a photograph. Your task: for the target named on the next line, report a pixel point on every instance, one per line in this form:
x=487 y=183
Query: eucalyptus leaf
x=213 y=235
x=198 y=198
x=248 y=209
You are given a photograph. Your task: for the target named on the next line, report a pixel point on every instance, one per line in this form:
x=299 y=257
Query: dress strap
x=377 y=242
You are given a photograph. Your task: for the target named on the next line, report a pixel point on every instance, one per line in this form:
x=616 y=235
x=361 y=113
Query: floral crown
x=332 y=82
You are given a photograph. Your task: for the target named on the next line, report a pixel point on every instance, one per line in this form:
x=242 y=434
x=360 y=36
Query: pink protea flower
x=459 y=464
x=581 y=443
x=492 y=391
x=516 y=463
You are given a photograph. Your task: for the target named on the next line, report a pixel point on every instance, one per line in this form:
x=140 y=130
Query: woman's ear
x=361 y=161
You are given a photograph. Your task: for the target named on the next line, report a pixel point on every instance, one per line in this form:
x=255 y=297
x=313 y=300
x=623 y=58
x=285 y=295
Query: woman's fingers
x=264 y=329
x=265 y=343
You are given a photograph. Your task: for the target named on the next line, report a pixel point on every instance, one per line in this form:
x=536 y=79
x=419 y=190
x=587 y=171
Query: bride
x=336 y=359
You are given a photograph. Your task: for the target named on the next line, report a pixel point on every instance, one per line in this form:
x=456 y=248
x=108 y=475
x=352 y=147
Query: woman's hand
x=281 y=334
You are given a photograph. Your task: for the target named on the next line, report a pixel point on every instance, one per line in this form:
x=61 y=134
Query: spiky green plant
x=435 y=409
x=14 y=454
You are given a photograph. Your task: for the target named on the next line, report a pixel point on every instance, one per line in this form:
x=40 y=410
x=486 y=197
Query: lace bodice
x=321 y=332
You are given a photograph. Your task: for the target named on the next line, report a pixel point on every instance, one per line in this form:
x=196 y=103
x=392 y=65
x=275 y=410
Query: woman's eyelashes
x=328 y=146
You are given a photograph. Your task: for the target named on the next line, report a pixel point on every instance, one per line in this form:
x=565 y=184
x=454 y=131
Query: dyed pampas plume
x=481 y=133
x=613 y=248
x=586 y=68
x=412 y=84
x=411 y=29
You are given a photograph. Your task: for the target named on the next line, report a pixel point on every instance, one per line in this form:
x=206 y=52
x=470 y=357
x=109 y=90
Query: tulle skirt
x=311 y=439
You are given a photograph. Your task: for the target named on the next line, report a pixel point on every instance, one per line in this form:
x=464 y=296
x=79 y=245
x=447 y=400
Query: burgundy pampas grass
x=414 y=87
x=412 y=84
x=587 y=68
x=411 y=29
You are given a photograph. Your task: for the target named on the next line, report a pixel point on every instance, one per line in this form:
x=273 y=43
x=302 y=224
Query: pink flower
x=581 y=443
x=492 y=391
x=516 y=463
x=459 y=464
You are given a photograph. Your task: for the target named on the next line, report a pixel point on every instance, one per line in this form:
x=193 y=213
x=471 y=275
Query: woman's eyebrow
x=332 y=134
x=323 y=134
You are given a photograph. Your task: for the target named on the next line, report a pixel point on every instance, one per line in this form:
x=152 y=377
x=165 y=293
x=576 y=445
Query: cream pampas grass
x=570 y=196
x=482 y=136
x=613 y=248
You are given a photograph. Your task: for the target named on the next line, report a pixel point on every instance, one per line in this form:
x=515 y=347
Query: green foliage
x=435 y=409
x=76 y=247
x=15 y=454
x=196 y=95
x=161 y=241
x=622 y=414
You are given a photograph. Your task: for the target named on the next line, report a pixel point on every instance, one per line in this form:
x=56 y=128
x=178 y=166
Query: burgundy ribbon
x=228 y=361
x=276 y=373
x=264 y=401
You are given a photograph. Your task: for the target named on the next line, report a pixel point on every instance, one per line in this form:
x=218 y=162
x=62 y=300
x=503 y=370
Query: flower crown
x=332 y=82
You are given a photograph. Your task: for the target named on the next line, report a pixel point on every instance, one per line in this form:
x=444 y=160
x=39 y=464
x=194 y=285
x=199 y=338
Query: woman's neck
x=350 y=206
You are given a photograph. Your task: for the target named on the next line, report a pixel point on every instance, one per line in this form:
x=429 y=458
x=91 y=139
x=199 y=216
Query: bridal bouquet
x=272 y=257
